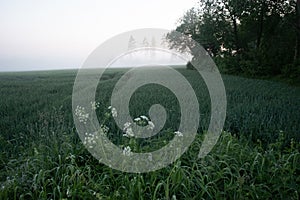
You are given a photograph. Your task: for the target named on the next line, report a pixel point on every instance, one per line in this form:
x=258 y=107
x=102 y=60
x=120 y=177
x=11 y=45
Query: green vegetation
x=42 y=157
x=253 y=38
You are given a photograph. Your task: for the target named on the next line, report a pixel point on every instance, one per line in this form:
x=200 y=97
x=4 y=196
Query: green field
x=42 y=157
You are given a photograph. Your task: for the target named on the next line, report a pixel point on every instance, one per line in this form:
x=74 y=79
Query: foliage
x=190 y=66
x=245 y=37
x=42 y=156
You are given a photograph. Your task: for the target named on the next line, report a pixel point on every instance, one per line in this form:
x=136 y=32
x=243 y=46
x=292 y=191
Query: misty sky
x=53 y=34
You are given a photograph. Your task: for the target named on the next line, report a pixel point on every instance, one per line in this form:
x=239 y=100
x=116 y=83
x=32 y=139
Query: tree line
x=254 y=37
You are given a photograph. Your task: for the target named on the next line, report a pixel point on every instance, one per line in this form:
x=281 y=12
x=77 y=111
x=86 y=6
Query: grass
x=42 y=157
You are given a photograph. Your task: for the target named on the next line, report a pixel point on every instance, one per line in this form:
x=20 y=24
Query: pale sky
x=53 y=34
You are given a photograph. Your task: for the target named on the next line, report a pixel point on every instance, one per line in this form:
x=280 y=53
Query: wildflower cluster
x=103 y=130
x=113 y=111
x=127 y=151
x=129 y=133
x=128 y=130
x=144 y=121
x=95 y=105
x=90 y=140
x=150 y=125
x=178 y=133
x=81 y=114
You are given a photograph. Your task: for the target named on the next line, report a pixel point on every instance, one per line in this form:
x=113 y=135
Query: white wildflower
x=178 y=133
x=128 y=132
x=103 y=130
x=137 y=119
x=126 y=125
x=150 y=125
x=95 y=105
x=81 y=114
x=144 y=117
x=127 y=151
x=90 y=139
x=109 y=107
x=114 y=112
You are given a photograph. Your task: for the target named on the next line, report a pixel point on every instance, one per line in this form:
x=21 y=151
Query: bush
x=291 y=70
x=190 y=66
x=228 y=64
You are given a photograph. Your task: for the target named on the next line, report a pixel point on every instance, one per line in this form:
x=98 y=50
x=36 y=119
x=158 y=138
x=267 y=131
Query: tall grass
x=42 y=157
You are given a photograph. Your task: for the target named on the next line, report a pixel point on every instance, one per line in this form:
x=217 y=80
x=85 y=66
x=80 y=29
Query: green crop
x=42 y=157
